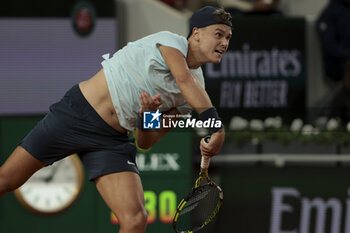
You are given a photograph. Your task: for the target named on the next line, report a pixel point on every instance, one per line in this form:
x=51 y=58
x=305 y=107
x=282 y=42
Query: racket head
x=198 y=208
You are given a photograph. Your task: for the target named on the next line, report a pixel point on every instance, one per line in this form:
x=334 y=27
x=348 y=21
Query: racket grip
x=205 y=163
x=205 y=160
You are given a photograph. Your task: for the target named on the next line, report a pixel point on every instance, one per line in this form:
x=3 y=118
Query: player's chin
x=216 y=61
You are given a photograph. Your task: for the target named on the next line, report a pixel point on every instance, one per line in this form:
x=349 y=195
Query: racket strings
x=193 y=202
x=199 y=207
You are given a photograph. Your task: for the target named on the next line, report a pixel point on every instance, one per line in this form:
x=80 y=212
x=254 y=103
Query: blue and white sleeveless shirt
x=138 y=67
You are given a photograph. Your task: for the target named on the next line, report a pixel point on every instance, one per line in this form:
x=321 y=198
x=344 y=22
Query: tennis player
x=94 y=118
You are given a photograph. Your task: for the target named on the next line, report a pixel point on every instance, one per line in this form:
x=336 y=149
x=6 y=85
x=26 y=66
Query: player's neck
x=193 y=58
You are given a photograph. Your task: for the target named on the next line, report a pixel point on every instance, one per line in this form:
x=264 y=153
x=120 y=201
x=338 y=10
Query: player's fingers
x=157 y=103
x=208 y=149
x=142 y=96
x=204 y=147
x=146 y=99
x=157 y=99
x=143 y=101
x=145 y=95
x=206 y=153
x=148 y=102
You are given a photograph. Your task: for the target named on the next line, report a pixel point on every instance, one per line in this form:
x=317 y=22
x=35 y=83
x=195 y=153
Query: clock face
x=54 y=188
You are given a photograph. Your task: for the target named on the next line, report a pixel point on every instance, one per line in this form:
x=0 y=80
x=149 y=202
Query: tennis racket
x=201 y=205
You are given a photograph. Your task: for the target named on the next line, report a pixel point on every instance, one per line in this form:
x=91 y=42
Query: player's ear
x=195 y=33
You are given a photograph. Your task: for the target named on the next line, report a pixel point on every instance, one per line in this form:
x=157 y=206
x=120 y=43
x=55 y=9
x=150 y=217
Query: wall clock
x=54 y=188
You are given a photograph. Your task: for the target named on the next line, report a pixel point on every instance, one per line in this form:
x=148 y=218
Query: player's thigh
x=19 y=167
x=122 y=192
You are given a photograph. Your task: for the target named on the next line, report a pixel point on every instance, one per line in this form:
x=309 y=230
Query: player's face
x=214 y=41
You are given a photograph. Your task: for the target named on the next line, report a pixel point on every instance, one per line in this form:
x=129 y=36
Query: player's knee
x=136 y=222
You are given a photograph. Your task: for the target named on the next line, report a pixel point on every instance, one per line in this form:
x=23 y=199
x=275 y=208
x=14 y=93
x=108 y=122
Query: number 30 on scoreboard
x=166 y=204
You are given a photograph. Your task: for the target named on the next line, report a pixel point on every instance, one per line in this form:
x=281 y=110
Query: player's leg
x=17 y=169
x=123 y=193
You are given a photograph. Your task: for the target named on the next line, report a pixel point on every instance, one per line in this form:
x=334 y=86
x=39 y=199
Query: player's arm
x=189 y=85
x=145 y=139
x=193 y=92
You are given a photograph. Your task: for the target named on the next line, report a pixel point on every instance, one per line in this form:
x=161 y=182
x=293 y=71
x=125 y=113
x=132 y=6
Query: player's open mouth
x=219 y=51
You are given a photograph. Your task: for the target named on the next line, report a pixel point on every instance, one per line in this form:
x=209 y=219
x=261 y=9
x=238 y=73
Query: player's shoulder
x=170 y=39
x=169 y=35
x=163 y=36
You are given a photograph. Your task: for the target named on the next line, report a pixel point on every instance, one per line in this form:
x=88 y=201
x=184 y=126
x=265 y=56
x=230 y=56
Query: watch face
x=54 y=188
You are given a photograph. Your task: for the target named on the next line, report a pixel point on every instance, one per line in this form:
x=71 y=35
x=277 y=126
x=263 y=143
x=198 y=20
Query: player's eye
x=218 y=35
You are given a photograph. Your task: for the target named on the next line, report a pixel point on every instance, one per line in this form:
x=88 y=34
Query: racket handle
x=205 y=160
x=205 y=163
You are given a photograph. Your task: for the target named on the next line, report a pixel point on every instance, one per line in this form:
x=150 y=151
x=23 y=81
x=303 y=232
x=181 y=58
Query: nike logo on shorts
x=131 y=163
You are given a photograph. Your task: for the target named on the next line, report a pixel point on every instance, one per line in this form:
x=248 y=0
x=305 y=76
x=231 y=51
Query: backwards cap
x=206 y=16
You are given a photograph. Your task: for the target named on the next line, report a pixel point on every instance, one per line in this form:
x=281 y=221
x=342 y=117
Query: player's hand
x=149 y=103
x=213 y=147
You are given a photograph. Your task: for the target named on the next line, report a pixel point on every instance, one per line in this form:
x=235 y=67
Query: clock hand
x=52 y=174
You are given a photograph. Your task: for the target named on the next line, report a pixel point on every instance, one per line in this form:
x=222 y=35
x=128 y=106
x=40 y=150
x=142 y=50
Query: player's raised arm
x=195 y=95
x=189 y=85
x=210 y=33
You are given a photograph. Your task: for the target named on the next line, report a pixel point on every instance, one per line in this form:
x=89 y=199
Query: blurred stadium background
x=284 y=167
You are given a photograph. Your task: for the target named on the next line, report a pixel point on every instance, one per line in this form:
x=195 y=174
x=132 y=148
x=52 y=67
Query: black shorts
x=73 y=126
